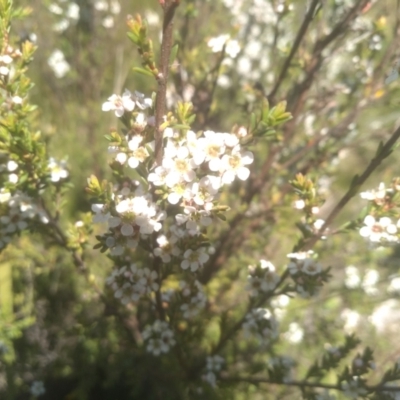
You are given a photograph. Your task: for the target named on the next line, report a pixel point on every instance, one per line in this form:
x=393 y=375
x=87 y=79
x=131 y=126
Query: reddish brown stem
x=169 y=7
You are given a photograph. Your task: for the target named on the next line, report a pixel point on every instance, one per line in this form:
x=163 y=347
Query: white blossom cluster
x=68 y=12
x=380 y=230
x=10 y=170
x=58 y=63
x=306 y=272
x=17 y=211
x=261 y=325
x=193 y=170
x=108 y=10
x=134 y=218
x=58 y=170
x=262 y=278
x=217 y=44
x=383 y=229
x=131 y=283
x=159 y=338
x=255 y=20
x=8 y=56
x=127 y=103
x=213 y=367
x=194 y=298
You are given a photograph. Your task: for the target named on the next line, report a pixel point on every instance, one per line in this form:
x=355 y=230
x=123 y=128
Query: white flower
x=115 y=7
x=12 y=165
x=311 y=266
x=4 y=70
x=17 y=100
x=375 y=195
x=370 y=280
x=353 y=279
x=58 y=63
x=351 y=320
x=61 y=26
x=142 y=102
x=394 y=286
x=4 y=196
x=179 y=166
x=73 y=11
x=166 y=249
x=159 y=337
x=138 y=156
x=108 y=22
x=194 y=259
x=382 y=230
x=55 y=9
x=37 y=388
x=213 y=146
x=158 y=176
x=232 y=47
x=235 y=165
x=57 y=169
x=119 y=104
x=295 y=333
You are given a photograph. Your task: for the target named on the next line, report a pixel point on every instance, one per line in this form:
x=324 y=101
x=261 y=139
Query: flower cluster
x=17 y=211
x=224 y=42
x=130 y=284
x=306 y=272
x=8 y=56
x=159 y=338
x=194 y=298
x=382 y=223
x=127 y=103
x=213 y=367
x=380 y=231
x=133 y=217
x=262 y=278
x=261 y=325
x=68 y=13
x=58 y=170
x=192 y=171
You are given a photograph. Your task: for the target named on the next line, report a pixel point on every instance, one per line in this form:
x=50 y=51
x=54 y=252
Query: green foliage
x=324 y=119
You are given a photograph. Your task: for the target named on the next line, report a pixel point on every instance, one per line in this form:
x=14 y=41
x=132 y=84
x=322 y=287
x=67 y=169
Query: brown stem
x=169 y=7
x=301 y=384
x=299 y=38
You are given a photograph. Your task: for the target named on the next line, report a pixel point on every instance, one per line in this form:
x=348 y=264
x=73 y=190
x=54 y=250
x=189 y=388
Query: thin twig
x=299 y=38
x=302 y=384
x=169 y=7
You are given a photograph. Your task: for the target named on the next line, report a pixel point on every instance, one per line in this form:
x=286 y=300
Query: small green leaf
x=143 y=71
